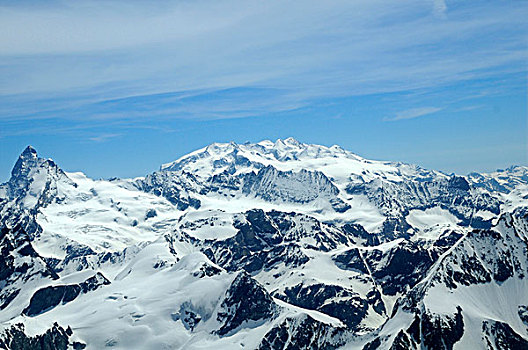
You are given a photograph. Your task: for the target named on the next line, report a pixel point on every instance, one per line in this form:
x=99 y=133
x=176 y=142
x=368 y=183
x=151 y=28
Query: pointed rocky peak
x=27 y=160
x=34 y=180
x=27 y=165
x=29 y=152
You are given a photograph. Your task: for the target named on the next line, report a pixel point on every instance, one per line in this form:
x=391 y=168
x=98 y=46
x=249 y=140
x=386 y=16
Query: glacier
x=268 y=245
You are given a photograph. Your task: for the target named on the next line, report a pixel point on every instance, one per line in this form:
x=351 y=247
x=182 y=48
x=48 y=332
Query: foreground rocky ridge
x=273 y=246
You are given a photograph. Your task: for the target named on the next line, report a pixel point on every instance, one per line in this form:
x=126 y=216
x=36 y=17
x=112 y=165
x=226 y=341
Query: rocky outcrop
x=303 y=332
x=177 y=187
x=301 y=187
x=56 y=338
x=428 y=330
x=396 y=198
x=266 y=239
x=47 y=298
x=19 y=264
x=334 y=301
x=500 y=335
x=399 y=268
x=246 y=303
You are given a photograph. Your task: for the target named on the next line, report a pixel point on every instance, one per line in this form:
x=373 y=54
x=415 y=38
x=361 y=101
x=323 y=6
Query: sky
x=116 y=88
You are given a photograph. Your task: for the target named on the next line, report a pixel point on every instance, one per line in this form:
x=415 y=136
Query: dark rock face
x=304 y=186
x=373 y=345
x=206 y=270
x=55 y=338
x=265 y=239
x=33 y=185
x=473 y=273
x=78 y=345
x=428 y=330
x=74 y=252
x=499 y=335
x=151 y=213
x=395 y=227
x=360 y=235
x=441 y=331
x=396 y=198
x=458 y=183
x=401 y=267
x=47 y=298
x=19 y=263
x=483 y=256
x=447 y=240
x=374 y=299
x=23 y=175
x=94 y=283
x=245 y=302
x=302 y=333
x=253 y=247
x=28 y=159
x=191 y=319
x=20 y=180
x=335 y=301
x=351 y=260
x=177 y=187
x=523 y=314
x=268 y=183
x=403 y=342
x=503 y=264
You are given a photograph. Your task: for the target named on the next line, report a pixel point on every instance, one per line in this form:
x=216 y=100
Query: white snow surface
x=103 y=215
x=153 y=280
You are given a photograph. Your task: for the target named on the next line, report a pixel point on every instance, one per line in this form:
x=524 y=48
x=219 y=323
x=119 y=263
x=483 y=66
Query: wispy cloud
x=87 y=60
x=470 y=108
x=103 y=137
x=413 y=113
x=439 y=8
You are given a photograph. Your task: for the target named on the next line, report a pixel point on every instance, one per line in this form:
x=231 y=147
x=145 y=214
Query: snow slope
x=273 y=245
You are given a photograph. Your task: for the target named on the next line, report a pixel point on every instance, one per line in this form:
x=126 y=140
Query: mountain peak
x=287 y=153
x=27 y=160
x=288 y=141
x=29 y=151
x=34 y=181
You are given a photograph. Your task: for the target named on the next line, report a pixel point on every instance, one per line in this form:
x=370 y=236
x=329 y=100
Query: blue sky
x=115 y=88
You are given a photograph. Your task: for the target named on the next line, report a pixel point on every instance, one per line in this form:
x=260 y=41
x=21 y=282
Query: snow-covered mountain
x=273 y=245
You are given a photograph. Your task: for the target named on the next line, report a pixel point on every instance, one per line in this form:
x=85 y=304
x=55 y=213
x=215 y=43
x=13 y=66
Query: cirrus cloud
x=85 y=59
x=413 y=113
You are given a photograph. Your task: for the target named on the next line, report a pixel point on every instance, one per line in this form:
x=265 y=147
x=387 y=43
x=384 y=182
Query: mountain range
x=269 y=245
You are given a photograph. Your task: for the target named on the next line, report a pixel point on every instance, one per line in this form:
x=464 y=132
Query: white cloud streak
x=103 y=137
x=439 y=8
x=413 y=113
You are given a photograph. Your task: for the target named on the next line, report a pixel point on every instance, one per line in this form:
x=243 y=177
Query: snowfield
x=272 y=245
